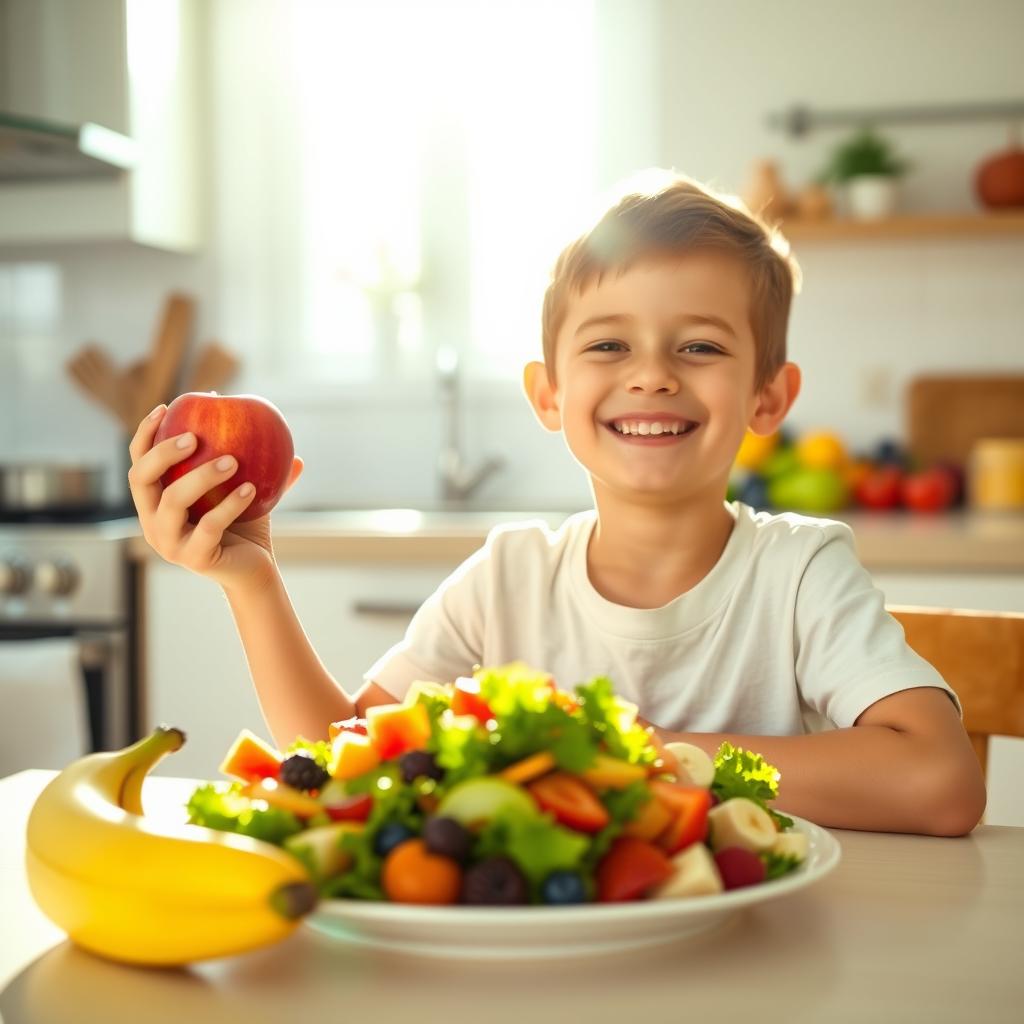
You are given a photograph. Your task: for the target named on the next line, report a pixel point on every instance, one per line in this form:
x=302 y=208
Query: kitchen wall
x=684 y=83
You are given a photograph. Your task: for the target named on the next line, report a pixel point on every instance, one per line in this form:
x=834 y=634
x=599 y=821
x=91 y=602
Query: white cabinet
x=133 y=67
x=197 y=677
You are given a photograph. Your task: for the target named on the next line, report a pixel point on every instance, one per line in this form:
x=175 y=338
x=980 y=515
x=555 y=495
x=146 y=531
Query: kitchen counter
x=905 y=928
x=955 y=542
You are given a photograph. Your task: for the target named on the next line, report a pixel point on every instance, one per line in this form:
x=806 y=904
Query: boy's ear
x=541 y=395
x=775 y=400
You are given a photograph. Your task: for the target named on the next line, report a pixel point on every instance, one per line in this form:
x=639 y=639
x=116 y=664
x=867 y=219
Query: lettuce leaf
x=228 y=810
x=319 y=750
x=613 y=720
x=535 y=842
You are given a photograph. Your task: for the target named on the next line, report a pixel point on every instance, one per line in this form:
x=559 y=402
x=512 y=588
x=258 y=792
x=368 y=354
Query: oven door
x=103 y=657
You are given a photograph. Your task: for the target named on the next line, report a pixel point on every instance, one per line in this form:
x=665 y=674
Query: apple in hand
x=246 y=426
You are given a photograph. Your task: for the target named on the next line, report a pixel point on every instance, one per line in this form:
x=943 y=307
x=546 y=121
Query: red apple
x=880 y=487
x=246 y=426
x=930 y=490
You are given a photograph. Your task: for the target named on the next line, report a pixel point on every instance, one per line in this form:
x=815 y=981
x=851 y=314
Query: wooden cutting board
x=946 y=414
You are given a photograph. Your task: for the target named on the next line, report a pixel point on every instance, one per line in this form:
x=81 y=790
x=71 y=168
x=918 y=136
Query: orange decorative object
x=396 y=728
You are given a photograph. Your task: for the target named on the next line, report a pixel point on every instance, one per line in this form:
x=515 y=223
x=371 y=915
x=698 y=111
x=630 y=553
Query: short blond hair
x=680 y=215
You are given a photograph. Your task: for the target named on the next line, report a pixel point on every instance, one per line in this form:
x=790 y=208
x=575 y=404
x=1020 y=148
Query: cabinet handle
x=387 y=609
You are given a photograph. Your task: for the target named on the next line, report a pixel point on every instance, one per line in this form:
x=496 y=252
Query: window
x=393 y=178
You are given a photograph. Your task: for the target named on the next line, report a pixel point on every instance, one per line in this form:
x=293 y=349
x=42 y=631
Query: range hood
x=36 y=150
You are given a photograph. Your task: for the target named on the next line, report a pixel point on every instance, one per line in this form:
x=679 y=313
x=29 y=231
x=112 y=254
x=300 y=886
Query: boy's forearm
x=867 y=777
x=297 y=695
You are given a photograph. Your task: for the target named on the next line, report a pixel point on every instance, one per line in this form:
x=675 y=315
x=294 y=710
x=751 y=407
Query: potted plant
x=868 y=170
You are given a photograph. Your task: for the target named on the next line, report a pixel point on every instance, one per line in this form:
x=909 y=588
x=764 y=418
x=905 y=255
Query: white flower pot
x=871 y=196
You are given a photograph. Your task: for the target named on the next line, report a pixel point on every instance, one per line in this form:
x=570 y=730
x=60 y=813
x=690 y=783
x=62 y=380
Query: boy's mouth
x=651 y=431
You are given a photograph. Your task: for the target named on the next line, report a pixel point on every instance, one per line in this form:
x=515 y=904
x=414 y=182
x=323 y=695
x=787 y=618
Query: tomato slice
x=351 y=808
x=629 y=869
x=467 y=700
x=570 y=801
x=689 y=806
x=347 y=725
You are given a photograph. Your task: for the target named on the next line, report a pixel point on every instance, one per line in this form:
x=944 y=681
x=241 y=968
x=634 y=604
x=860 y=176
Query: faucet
x=458 y=481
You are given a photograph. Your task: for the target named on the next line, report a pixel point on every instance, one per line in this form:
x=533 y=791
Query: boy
x=664 y=331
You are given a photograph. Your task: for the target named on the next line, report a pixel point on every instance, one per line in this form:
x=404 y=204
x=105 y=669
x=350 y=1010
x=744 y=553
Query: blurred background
x=351 y=208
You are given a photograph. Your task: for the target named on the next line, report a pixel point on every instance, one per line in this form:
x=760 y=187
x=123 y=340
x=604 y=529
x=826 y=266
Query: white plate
x=536 y=931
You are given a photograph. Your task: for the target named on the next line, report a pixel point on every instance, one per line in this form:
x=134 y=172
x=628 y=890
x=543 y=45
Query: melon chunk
x=251 y=759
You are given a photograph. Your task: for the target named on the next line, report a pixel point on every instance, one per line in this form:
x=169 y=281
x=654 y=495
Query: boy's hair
x=676 y=216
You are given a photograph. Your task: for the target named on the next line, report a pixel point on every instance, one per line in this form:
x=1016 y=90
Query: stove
x=66 y=573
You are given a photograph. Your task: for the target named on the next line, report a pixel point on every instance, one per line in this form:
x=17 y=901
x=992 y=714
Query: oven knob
x=58 y=578
x=14 y=576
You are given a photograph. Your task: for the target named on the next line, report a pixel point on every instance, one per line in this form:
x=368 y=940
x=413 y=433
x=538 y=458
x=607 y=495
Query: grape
x=445 y=836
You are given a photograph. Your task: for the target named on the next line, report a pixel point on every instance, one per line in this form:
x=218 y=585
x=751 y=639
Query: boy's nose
x=653 y=375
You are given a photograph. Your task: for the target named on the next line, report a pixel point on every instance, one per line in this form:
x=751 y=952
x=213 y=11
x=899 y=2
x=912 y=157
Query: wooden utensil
x=947 y=414
x=94 y=371
x=214 y=367
x=167 y=353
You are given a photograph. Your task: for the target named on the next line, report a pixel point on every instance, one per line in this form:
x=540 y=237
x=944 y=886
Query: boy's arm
x=297 y=695
x=907 y=765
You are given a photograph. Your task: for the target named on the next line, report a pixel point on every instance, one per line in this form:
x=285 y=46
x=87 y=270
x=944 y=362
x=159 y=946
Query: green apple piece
x=320 y=848
x=476 y=801
x=808 y=490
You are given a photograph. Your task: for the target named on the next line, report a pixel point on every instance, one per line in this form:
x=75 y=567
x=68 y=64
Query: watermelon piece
x=251 y=759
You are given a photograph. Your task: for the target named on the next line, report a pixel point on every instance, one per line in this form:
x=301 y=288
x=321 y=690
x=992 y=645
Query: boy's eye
x=606 y=346
x=701 y=348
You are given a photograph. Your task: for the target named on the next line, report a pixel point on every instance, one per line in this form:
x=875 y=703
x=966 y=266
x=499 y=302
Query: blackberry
x=300 y=771
x=415 y=763
x=445 y=836
x=495 y=882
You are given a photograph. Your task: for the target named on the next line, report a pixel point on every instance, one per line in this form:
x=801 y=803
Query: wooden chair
x=981 y=656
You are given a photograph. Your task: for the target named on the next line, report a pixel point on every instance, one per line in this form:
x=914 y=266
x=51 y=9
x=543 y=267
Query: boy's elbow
x=959 y=802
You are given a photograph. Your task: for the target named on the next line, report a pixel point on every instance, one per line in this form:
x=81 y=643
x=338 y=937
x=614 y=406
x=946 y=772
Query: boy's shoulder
x=792 y=535
x=539 y=534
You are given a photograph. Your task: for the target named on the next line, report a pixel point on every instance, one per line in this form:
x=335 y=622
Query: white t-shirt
x=786 y=634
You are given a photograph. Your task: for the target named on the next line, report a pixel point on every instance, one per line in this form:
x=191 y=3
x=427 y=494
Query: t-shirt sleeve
x=850 y=652
x=444 y=640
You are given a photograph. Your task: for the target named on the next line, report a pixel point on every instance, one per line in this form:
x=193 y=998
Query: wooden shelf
x=912 y=226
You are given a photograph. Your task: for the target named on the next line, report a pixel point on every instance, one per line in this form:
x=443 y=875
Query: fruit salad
x=503 y=789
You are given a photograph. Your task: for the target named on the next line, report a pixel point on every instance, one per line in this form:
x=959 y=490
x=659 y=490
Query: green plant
x=863 y=153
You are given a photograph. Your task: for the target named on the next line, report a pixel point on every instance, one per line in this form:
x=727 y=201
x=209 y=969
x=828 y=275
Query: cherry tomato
x=347 y=725
x=350 y=808
x=570 y=801
x=412 y=874
x=629 y=869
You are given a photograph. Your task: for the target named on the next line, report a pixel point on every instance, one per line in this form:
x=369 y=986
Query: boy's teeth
x=643 y=428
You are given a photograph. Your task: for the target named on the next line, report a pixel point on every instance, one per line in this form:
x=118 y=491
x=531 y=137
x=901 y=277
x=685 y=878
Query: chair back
x=981 y=656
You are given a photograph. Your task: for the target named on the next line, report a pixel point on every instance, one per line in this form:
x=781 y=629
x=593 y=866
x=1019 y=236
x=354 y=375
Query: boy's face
x=634 y=350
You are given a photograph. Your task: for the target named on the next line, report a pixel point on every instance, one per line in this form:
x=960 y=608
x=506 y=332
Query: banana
x=791 y=844
x=146 y=891
x=740 y=822
x=695 y=767
x=695 y=874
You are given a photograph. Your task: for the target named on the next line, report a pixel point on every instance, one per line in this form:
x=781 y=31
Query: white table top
x=906 y=928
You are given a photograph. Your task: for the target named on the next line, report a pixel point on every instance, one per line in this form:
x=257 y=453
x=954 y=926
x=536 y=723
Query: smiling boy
x=664 y=332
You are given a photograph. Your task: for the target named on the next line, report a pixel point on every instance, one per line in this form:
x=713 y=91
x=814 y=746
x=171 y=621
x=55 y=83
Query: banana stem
x=164 y=739
x=294 y=900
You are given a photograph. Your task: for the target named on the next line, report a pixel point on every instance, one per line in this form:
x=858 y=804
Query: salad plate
x=489 y=933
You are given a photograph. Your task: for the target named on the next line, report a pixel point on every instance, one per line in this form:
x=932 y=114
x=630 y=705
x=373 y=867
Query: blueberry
x=447 y=837
x=754 y=492
x=389 y=836
x=494 y=882
x=562 y=887
x=416 y=763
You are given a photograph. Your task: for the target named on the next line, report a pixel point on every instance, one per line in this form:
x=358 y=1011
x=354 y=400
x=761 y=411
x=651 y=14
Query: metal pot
x=32 y=486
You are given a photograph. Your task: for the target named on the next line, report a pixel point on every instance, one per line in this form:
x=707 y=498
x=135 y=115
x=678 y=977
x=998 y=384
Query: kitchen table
x=905 y=928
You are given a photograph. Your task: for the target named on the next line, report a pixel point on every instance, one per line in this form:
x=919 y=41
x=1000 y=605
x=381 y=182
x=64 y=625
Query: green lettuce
x=740 y=772
x=228 y=810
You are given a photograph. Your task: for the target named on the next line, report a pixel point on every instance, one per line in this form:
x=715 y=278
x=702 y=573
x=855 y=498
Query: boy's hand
x=233 y=554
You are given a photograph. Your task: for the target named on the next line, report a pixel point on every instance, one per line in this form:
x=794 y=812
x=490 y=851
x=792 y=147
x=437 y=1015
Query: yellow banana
x=146 y=891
